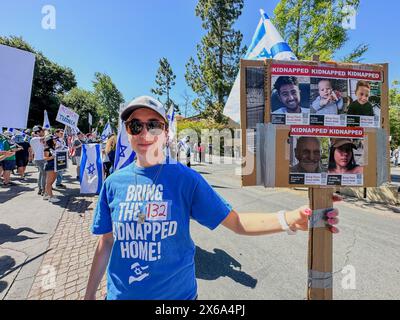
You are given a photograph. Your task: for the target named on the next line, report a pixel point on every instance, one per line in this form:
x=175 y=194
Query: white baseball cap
x=143 y=102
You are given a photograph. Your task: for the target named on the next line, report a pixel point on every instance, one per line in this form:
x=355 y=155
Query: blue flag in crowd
x=124 y=155
x=91 y=173
x=16 y=132
x=171 y=130
x=107 y=131
x=266 y=43
x=46 y=122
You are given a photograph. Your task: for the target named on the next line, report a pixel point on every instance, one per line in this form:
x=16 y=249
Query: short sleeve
x=208 y=207
x=102 y=222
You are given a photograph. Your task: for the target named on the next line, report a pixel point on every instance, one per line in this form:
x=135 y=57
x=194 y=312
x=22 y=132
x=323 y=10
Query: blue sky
x=126 y=38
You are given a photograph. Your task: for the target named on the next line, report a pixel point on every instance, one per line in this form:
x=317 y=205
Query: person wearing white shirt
x=37 y=145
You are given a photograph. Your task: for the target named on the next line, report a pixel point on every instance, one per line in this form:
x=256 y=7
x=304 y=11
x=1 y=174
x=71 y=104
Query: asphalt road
x=230 y=266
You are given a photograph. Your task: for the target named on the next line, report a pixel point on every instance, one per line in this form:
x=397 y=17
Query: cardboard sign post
x=306 y=124
x=320 y=246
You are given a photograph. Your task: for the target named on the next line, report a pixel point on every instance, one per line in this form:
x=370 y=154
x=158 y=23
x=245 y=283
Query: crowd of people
x=38 y=147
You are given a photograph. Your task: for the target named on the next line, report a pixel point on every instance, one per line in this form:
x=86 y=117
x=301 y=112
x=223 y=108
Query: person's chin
x=310 y=168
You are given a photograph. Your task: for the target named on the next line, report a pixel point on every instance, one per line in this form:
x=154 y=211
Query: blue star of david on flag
x=122 y=151
x=91 y=169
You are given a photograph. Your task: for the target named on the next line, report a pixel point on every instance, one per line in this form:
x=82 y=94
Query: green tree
x=165 y=80
x=50 y=80
x=108 y=97
x=82 y=102
x=315 y=27
x=218 y=56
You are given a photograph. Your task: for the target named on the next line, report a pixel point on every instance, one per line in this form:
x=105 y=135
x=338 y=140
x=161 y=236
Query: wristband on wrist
x=284 y=224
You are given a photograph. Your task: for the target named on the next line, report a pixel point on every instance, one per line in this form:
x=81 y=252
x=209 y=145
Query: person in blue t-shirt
x=143 y=215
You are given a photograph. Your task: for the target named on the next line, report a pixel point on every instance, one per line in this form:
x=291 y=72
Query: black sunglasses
x=154 y=127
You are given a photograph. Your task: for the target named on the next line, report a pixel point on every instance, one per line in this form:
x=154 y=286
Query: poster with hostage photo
x=364 y=108
x=326 y=161
x=328 y=96
x=290 y=100
x=308 y=160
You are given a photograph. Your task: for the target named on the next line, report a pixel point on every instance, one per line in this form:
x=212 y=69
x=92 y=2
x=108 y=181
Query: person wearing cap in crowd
x=60 y=145
x=22 y=156
x=308 y=155
x=37 y=145
x=51 y=175
x=143 y=215
x=341 y=157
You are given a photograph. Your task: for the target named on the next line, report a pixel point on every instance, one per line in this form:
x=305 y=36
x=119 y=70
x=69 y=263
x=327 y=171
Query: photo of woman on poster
x=341 y=157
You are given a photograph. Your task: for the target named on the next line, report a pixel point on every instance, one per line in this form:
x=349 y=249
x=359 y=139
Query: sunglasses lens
x=155 y=127
x=136 y=127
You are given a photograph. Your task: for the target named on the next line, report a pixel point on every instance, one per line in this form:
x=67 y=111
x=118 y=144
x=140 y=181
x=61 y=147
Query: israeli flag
x=172 y=129
x=124 y=155
x=91 y=173
x=46 y=122
x=276 y=47
x=266 y=43
x=16 y=132
x=107 y=131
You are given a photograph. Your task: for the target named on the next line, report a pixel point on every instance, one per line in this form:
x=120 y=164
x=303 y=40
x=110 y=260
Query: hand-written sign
x=67 y=116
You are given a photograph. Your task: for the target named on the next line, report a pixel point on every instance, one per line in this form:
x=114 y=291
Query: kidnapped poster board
x=61 y=160
x=347 y=84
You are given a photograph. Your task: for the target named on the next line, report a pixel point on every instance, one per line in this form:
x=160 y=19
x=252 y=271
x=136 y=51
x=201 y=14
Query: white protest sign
x=16 y=75
x=67 y=116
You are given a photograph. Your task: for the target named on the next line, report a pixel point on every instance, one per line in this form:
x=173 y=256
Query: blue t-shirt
x=153 y=253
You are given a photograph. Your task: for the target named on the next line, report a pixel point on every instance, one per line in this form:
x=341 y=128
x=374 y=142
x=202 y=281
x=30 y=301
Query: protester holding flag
x=49 y=156
x=37 y=145
x=143 y=216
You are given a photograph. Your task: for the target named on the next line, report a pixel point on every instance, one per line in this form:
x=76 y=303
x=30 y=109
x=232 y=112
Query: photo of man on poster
x=308 y=154
x=289 y=95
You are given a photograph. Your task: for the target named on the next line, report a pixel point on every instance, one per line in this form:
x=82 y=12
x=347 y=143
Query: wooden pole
x=320 y=249
x=320 y=254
